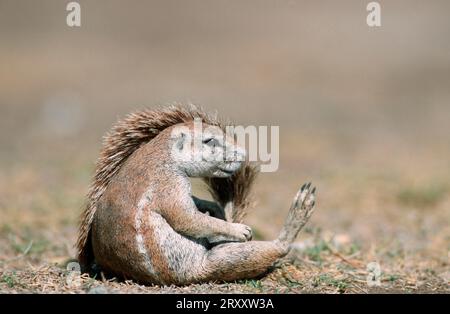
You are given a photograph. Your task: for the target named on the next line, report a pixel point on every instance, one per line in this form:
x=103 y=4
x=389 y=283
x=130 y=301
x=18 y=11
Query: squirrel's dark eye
x=211 y=142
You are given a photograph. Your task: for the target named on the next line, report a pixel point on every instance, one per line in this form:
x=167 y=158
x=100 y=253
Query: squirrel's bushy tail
x=137 y=129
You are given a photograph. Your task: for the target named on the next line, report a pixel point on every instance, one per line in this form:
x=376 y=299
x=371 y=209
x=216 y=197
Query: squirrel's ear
x=179 y=135
x=180 y=140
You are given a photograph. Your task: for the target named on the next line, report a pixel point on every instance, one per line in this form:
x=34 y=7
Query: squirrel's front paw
x=235 y=233
x=242 y=232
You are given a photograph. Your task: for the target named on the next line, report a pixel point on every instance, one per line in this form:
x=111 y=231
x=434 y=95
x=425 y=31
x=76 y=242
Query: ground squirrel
x=142 y=221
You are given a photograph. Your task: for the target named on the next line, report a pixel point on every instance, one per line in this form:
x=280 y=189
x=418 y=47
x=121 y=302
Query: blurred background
x=364 y=112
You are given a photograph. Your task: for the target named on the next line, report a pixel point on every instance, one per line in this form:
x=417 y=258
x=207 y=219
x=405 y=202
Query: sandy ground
x=363 y=113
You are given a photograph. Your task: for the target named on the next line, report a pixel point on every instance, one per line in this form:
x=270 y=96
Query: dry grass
x=334 y=273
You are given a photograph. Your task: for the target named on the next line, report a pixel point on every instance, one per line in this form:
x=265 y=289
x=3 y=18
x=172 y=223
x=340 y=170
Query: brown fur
x=143 y=223
x=131 y=133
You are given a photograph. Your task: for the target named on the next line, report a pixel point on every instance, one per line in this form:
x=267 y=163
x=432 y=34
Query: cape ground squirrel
x=142 y=222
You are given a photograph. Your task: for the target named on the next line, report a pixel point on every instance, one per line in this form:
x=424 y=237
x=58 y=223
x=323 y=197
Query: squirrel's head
x=203 y=150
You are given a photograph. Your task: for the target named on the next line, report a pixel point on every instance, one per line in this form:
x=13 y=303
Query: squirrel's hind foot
x=301 y=210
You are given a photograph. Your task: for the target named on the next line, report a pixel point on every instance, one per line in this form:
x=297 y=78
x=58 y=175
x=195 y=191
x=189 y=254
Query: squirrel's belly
x=144 y=246
x=166 y=255
x=174 y=257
